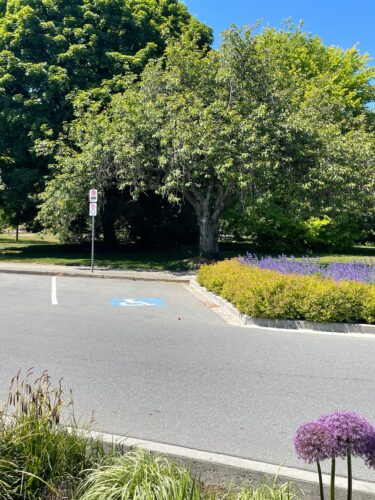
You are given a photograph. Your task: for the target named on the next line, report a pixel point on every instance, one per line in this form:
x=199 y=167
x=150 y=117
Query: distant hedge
x=262 y=293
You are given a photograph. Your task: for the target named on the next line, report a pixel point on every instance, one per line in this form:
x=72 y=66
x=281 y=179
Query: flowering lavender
x=356 y=270
x=313 y=442
x=283 y=264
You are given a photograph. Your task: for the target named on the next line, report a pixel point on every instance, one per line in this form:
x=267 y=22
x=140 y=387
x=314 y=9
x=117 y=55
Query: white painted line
x=53 y=292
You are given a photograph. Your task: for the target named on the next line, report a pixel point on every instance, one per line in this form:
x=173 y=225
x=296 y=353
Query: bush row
x=263 y=293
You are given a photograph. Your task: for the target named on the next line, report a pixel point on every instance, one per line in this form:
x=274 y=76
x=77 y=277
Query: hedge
x=263 y=293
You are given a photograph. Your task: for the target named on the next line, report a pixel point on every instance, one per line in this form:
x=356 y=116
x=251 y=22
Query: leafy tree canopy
x=274 y=113
x=324 y=193
x=50 y=50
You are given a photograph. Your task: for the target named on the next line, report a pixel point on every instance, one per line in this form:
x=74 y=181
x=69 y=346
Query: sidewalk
x=85 y=272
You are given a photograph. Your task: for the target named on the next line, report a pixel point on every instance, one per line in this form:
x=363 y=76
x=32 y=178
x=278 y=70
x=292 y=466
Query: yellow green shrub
x=264 y=293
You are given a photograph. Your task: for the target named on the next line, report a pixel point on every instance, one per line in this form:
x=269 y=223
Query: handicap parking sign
x=138 y=302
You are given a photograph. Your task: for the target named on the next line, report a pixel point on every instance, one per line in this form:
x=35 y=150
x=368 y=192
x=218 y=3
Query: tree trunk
x=17 y=231
x=208 y=238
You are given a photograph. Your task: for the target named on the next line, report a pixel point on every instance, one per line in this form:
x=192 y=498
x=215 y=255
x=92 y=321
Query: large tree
x=322 y=196
x=49 y=51
x=213 y=126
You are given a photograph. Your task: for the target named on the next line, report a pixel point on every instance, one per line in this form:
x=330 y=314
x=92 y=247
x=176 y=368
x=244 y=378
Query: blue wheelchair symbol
x=138 y=302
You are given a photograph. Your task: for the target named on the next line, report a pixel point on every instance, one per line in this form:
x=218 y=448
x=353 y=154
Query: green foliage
x=323 y=232
x=275 y=120
x=39 y=456
x=52 y=53
x=268 y=491
x=3 y=220
x=269 y=227
x=264 y=293
x=136 y=137
x=320 y=150
x=139 y=475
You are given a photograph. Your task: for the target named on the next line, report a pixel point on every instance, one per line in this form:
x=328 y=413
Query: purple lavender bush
x=357 y=270
x=341 y=434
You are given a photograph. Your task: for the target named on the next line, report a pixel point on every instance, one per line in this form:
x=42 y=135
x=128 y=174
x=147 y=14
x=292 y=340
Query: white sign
x=93 y=209
x=93 y=196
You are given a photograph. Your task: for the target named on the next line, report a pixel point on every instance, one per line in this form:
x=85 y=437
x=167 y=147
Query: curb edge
x=80 y=274
x=226 y=467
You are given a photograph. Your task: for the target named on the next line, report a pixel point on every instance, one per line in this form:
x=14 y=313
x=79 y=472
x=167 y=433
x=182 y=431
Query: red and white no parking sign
x=93 y=195
x=93 y=210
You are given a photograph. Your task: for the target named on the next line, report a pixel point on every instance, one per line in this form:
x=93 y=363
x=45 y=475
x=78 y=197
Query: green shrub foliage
x=263 y=293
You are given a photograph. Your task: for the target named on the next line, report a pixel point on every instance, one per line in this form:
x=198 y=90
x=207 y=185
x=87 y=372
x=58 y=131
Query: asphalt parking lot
x=154 y=362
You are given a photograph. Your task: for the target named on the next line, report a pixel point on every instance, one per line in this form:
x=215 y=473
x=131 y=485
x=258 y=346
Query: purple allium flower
x=369 y=454
x=350 y=431
x=314 y=442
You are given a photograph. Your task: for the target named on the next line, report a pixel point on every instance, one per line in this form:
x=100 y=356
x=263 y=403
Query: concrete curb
x=98 y=274
x=216 y=468
x=221 y=306
x=227 y=310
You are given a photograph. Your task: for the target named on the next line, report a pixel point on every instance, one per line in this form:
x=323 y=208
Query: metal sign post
x=92 y=243
x=93 y=209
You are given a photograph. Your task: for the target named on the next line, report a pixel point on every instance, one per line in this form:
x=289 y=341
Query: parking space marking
x=54 y=292
x=138 y=302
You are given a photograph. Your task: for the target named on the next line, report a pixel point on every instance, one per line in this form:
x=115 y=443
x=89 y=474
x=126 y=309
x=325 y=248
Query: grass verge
x=36 y=249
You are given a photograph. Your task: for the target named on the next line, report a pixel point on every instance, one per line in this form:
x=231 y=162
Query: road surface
x=173 y=371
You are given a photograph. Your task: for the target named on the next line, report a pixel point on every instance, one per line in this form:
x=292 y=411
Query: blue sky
x=341 y=23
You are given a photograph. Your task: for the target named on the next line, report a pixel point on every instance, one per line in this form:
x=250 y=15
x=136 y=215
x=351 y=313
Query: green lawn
x=33 y=249
x=46 y=250
x=359 y=252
